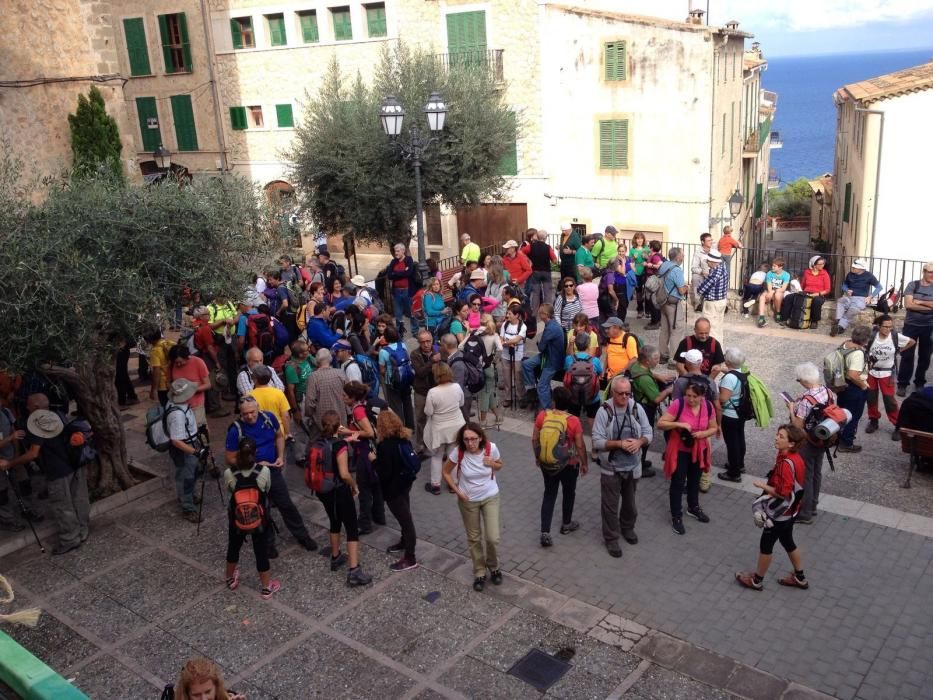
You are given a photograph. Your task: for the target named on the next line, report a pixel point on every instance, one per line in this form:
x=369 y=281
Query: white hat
x=565 y=226
x=693 y=357
x=814 y=260
x=860 y=264
x=714 y=256
x=182 y=390
x=358 y=280
x=477 y=275
x=44 y=424
x=509 y=244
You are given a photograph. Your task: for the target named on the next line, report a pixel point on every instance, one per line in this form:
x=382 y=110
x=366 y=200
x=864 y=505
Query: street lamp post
x=820 y=200
x=392 y=114
x=162 y=157
x=735 y=204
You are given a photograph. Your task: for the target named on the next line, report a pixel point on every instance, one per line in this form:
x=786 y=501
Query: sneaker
x=749 y=304
x=896 y=435
x=647 y=471
x=234 y=581
x=792 y=581
x=872 y=426
x=762 y=322
x=630 y=537
x=744 y=314
x=614 y=549
x=725 y=477
x=705 y=481
x=572 y=526
x=479 y=584
x=338 y=561
x=698 y=514
x=747 y=579
x=325 y=551
x=395 y=548
x=308 y=543
x=834 y=330
x=64 y=548
x=357 y=577
x=432 y=488
x=805 y=519
x=546 y=540
x=850 y=449
x=496 y=577
x=268 y=591
x=777 y=317
x=403 y=564
x=902 y=390
x=678 y=525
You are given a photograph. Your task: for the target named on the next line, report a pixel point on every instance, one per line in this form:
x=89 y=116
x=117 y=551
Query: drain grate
x=539 y=670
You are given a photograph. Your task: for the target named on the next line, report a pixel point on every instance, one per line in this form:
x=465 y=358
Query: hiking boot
x=814 y=325
x=705 y=481
x=792 y=581
x=308 y=543
x=725 y=477
x=395 y=548
x=762 y=322
x=64 y=548
x=546 y=540
x=652 y=326
x=338 y=561
x=479 y=584
x=614 y=549
x=896 y=435
x=698 y=514
x=268 y=591
x=11 y=526
x=834 y=330
x=496 y=577
x=647 y=471
x=747 y=579
x=234 y=581
x=850 y=449
x=191 y=516
x=777 y=317
x=872 y=426
x=273 y=553
x=572 y=526
x=403 y=564
x=901 y=390
x=678 y=526
x=432 y=488
x=357 y=577
x=630 y=537
x=805 y=519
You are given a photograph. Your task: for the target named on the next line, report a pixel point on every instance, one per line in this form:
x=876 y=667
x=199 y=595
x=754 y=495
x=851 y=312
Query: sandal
x=234 y=580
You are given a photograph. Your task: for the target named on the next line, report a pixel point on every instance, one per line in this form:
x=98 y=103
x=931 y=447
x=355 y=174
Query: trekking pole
x=26 y=512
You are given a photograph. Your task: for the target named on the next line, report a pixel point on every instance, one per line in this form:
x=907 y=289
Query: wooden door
x=493 y=223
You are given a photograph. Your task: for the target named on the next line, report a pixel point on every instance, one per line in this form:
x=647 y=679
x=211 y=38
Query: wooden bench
x=917 y=444
x=446 y=276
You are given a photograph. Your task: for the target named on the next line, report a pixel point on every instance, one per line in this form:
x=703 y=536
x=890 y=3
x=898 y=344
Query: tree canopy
x=352 y=179
x=793 y=200
x=95 y=138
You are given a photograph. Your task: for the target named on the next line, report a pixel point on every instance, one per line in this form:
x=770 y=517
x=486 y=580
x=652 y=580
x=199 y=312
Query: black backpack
x=474 y=378
x=475 y=349
x=443 y=328
x=744 y=410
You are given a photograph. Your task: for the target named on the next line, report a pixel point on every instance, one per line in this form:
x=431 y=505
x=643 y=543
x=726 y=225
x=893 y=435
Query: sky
x=809 y=27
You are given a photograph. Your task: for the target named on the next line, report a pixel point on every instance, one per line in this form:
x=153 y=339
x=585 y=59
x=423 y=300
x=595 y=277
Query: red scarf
x=700 y=453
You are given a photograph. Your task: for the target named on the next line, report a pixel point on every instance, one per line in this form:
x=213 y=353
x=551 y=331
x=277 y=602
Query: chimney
x=695 y=17
x=732 y=25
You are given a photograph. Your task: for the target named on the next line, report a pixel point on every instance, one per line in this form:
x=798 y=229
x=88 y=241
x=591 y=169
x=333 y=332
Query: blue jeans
x=401 y=302
x=923 y=349
x=852 y=399
x=186 y=470
x=529 y=365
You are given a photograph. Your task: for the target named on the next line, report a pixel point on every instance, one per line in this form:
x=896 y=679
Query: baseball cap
x=613 y=321
x=694 y=357
x=860 y=264
x=928 y=267
x=510 y=244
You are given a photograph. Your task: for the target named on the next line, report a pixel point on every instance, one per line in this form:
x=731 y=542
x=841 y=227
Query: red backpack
x=247 y=502
x=320 y=471
x=260 y=334
x=582 y=381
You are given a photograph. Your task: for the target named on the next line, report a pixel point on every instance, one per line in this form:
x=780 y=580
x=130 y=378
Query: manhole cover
x=539 y=670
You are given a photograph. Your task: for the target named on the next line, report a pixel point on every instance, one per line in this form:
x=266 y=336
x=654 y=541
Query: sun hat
x=509 y=244
x=45 y=424
x=928 y=267
x=182 y=390
x=358 y=280
x=477 y=275
x=713 y=255
x=860 y=264
x=694 y=357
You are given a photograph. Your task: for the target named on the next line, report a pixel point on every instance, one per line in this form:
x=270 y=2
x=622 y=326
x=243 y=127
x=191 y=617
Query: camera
x=686 y=437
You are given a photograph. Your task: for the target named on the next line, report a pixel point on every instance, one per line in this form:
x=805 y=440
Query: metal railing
x=489 y=59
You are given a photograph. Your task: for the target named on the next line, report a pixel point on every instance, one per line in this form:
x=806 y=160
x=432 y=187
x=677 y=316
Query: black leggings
x=341 y=511
x=235 y=538
x=783 y=531
x=566 y=478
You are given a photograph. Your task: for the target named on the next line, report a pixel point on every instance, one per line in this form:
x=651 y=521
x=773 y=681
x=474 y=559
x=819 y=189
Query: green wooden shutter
x=238 y=118
x=166 y=49
x=466 y=32
x=343 y=27
x=185 y=43
x=146 y=108
x=376 y=20
x=236 y=34
x=136 y=49
x=284 y=116
x=759 y=191
x=183 y=116
x=613 y=144
x=276 y=30
x=309 y=32
x=509 y=163
x=847 y=202
x=615 y=60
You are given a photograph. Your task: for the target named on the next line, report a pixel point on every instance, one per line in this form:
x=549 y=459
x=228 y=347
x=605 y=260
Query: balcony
x=489 y=60
x=776 y=140
x=751 y=147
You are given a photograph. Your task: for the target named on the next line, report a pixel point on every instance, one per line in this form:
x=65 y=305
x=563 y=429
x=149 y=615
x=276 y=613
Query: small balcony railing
x=776 y=140
x=488 y=59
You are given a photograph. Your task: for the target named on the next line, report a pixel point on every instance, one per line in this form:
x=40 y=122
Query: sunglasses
x=477 y=305
x=569 y=286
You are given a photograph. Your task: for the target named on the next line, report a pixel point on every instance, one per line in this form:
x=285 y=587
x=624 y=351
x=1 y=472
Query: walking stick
x=26 y=512
x=512 y=378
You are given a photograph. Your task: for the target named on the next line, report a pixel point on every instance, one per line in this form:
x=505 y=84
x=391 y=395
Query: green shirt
x=604 y=251
x=456 y=327
x=296 y=374
x=584 y=257
x=639 y=256
x=644 y=385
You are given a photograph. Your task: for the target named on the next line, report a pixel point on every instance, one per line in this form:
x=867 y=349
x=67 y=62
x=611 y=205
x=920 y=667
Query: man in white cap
x=362 y=291
x=714 y=291
x=858 y=288
x=516 y=263
x=476 y=285
x=699 y=270
x=185 y=444
x=55 y=448
x=470 y=251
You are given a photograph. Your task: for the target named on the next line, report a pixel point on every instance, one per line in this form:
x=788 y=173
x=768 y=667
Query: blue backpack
x=399 y=373
x=369 y=373
x=411 y=463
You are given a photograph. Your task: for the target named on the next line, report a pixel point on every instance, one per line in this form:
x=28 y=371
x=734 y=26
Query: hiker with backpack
x=324 y=392
x=244 y=379
x=703 y=341
x=852 y=386
x=466 y=372
x=398 y=376
x=714 y=292
x=328 y=474
x=621 y=347
x=670 y=290
x=248 y=483
x=560 y=453
x=403 y=274
x=806 y=412
x=780 y=504
x=582 y=373
x=540 y=286
x=397 y=466
x=549 y=361
x=650 y=387
x=884 y=353
x=690 y=423
x=620 y=432
x=205 y=347
x=918 y=324
x=224 y=316
x=481 y=348
x=516 y=263
x=653 y=264
x=513 y=334
x=470 y=472
x=360 y=433
x=736 y=405
x=612 y=300
x=433 y=305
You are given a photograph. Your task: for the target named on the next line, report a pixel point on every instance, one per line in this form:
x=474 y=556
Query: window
x=238 y=118
x=176 y=50
x=613 y=144
x=732 y=134
x=308 y=22
x=846 y=203
x=255 y=116
x=276 y=27
x=284 y=116
x=136 y=47
x=185 y=134
x=509 y=163
x=466 y=32
x=614 y=53
x=723 y=134
x=242 y=30
x=376 y=19
x=148 y=123
x=343 y=29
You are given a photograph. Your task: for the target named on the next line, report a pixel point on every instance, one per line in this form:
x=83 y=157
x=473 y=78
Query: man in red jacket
x=516 y=263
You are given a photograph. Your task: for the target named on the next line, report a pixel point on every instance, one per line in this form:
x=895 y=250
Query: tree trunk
x=92 y=384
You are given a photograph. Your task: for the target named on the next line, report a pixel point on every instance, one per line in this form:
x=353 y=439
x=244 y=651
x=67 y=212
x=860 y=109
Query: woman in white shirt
x=444 y=418
x=513 y=350
x=476 y=461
